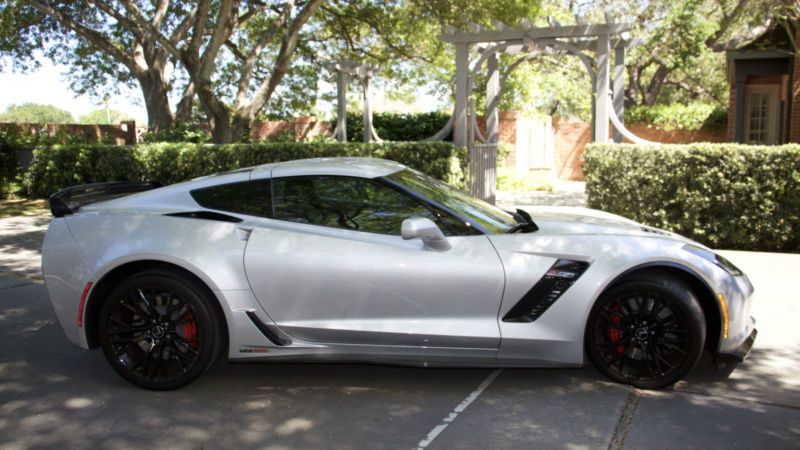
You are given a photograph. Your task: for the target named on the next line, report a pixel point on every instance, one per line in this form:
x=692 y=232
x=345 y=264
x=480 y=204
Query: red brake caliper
x=189 y=329
x=614 y=333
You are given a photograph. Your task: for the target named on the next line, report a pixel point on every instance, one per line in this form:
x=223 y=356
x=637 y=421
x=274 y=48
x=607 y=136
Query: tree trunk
x=654 y=87
x=159 y=114
x=185 y=107
x=241 y=128
x=221 y=132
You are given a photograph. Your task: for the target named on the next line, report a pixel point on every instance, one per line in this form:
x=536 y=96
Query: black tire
x=648 y=332
x=159 y=330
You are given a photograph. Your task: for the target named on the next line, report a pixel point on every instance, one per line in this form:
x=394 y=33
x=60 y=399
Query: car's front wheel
x=648 y=332
x=159 y=330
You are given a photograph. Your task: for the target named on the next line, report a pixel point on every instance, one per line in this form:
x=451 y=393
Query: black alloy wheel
x=648 y=332
x=159 y=331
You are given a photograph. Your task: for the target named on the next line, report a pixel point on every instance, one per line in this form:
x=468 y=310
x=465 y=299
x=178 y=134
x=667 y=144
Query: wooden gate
x=483 y=171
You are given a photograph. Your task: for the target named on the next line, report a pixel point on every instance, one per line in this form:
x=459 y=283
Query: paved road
x=55 y=395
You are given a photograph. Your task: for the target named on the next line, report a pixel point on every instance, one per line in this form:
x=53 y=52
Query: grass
x=22 y=207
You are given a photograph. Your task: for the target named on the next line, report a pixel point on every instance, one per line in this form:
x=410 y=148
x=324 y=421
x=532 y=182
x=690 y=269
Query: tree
x=96 y=39
x=103 y=117
x=141 y=41
x=234 y=55
x=684 y=43
x=35 y=113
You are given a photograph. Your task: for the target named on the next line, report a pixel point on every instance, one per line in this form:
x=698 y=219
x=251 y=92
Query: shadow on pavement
x=21 y=244
x=54 y=394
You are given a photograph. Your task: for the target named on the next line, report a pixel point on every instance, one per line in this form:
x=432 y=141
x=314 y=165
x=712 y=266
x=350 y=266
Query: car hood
x=566 y=220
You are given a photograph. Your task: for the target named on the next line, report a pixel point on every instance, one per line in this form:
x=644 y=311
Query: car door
x=331 y=267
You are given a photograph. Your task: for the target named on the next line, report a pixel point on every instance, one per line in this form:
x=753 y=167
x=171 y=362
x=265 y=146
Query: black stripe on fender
x=560 y=277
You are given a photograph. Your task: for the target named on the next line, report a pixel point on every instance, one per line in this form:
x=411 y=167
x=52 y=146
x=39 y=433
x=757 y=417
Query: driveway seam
x=625 y=420
x=14 y=286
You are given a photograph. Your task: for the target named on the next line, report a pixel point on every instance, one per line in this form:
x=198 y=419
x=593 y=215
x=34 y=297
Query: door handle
x=244 y=233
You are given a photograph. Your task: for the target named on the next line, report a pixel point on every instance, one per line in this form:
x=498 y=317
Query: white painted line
x=458 y=409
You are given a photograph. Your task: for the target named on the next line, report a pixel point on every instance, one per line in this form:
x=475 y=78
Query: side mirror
x=425 y=229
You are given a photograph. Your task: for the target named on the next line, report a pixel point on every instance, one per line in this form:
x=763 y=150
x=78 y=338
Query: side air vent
x=560 y=277
x=206 y=215
x=274 y=336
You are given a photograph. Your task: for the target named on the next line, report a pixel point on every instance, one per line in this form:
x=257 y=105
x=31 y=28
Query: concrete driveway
x=52 y=394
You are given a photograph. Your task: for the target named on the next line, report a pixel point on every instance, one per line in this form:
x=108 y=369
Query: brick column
x=130 y=132
x=794 y=123
x=731 y=110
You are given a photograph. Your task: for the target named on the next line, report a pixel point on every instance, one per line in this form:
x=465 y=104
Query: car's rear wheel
x=648 y=332
x=159 y=330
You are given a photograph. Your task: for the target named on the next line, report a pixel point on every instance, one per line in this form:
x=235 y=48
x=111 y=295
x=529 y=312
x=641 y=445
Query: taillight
x=83 y=302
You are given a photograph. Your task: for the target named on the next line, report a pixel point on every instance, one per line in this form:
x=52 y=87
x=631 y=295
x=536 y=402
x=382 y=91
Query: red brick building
x=764 y=77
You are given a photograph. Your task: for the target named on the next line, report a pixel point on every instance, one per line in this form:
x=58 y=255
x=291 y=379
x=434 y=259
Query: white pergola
x=363 y=73
x=591 y=43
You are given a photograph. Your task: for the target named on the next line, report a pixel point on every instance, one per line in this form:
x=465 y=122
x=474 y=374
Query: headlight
x=710 y=256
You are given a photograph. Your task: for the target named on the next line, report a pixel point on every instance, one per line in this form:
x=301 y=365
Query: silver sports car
x=366 y=260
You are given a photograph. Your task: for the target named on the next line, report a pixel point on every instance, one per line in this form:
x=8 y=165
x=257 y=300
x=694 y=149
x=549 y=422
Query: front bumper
x=739 y=353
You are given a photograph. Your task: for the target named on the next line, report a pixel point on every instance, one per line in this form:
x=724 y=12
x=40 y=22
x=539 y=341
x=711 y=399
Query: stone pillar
x=618 y=96
x=341 y=105
x=367 y=111
x=601 y=90
x=460 y=111
x=492 y=99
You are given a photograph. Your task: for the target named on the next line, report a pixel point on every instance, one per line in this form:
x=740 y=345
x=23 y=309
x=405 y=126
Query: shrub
x=678 y=116
x=396 y=126
x=180 y=132
x=60 y=166
x=9 y=166
x=65 y=165
x=723 y=195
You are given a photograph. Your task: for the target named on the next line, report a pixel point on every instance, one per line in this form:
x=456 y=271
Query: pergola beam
x=567 y=31
x=362 y=72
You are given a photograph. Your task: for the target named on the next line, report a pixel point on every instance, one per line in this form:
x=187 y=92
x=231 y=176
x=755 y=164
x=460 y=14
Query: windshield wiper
x=525 y=224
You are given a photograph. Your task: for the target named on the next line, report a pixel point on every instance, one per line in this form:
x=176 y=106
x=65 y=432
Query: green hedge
x=678 y=116
x=59 y=166
x=723 y=195
x=397 y=126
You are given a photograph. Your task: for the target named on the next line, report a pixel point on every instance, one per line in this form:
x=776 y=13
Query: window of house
x=343 y=202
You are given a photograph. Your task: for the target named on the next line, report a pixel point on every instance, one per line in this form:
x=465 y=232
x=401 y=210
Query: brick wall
x=302 y=128
x=571 y=138
x=122 y=134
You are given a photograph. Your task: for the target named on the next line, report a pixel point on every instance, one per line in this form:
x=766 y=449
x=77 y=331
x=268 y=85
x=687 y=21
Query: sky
x=48 y=86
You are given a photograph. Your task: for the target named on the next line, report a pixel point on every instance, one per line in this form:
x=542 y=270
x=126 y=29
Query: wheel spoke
x=664 y=360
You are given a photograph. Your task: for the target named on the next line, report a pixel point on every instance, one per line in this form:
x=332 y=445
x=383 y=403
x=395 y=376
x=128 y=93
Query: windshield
x=488 y=216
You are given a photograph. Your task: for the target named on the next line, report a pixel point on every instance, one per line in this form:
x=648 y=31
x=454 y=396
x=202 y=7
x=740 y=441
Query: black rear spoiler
x=69 y=200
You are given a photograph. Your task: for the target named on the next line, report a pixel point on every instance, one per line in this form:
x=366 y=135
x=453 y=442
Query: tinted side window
x=247 y=197
x=341 y=202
